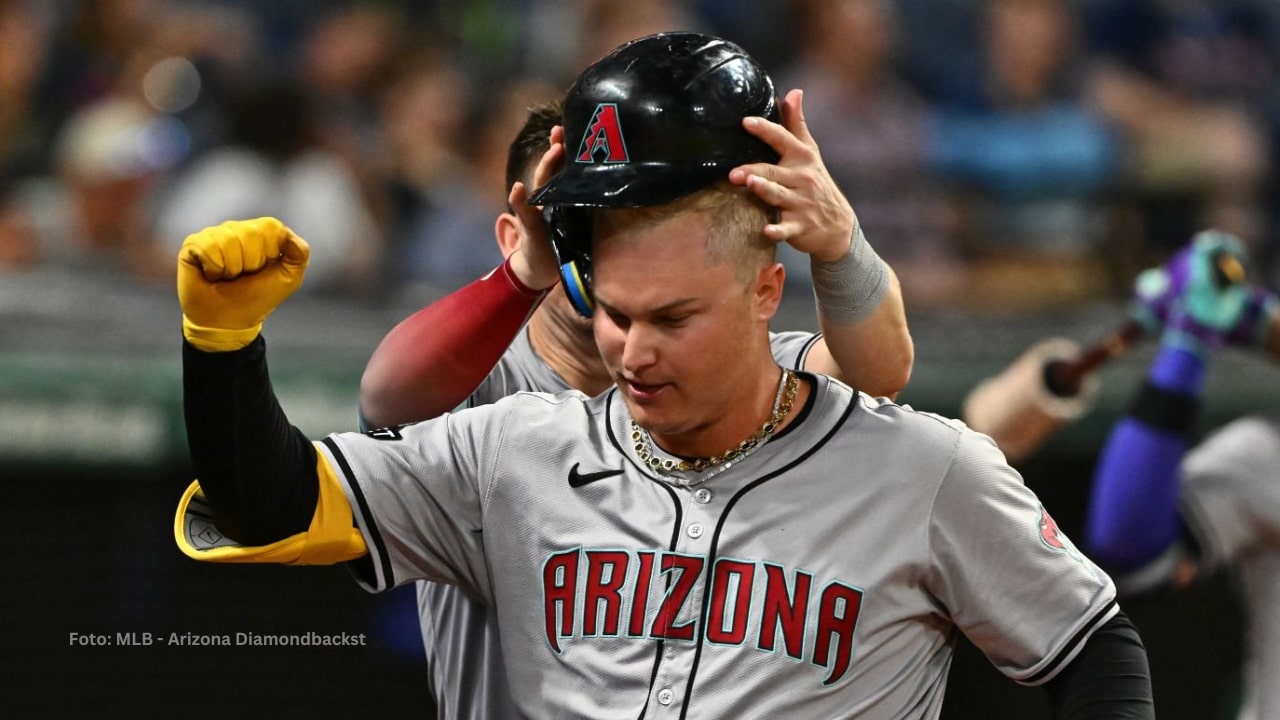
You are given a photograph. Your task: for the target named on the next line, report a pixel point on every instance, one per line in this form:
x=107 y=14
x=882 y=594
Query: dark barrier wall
x=91 y=560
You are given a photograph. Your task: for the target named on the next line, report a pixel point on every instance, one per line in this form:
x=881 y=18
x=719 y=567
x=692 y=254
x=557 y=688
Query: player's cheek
x=609 y=338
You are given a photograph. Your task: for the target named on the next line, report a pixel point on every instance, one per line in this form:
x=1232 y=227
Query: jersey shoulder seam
x=937 y=488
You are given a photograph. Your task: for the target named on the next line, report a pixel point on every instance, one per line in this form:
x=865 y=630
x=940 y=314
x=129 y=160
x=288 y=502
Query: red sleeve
x=435 y=358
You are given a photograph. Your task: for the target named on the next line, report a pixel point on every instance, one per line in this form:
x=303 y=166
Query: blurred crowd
x=1001 y=154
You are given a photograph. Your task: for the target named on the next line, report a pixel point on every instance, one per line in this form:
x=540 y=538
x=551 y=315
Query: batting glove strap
x=217 y=339
x=850 y=289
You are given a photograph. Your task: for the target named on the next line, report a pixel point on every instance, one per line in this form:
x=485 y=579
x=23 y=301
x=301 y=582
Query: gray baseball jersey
x=823 y=576
x=459 y=634
x=1230 y=499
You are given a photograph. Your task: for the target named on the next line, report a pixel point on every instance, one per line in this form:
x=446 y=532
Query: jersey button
x=695 y=530
x=702 y=496
x=665 y=696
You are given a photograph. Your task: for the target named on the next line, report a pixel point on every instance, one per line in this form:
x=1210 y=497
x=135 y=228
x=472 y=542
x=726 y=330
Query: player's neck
x=569 y=350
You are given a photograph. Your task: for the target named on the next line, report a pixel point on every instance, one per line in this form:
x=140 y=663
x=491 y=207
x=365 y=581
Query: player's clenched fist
x=231 y=276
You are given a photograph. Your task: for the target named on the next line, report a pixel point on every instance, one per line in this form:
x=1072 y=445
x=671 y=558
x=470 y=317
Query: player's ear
x=767 y=290
x=506 y=229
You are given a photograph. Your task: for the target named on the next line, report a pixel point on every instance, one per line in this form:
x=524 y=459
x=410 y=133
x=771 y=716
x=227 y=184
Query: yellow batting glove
x=231 y=276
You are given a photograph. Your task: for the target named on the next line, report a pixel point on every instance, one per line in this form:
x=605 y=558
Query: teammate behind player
x=418 y=361
x=637 y=565
x=1162 y=516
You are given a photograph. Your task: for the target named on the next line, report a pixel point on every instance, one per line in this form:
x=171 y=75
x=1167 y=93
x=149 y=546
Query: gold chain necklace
x=787 y=388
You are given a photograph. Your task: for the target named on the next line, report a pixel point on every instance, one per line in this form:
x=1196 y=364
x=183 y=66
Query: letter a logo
x=603 y=137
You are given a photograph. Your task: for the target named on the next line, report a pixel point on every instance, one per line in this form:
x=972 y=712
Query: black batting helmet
x=658 y=118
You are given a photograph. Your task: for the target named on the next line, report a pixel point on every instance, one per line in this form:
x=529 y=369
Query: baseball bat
x=1063 y=377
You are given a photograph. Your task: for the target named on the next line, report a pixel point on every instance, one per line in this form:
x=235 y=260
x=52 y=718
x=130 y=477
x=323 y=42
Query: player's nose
x=639 y=348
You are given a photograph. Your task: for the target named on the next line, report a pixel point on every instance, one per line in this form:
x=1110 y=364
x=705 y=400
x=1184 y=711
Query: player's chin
x=660 y=429
x=649 y=416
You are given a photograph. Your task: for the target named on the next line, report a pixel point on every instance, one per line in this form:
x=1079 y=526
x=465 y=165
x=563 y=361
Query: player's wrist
x=524 y=279
x=850 y=288
x=840 y=246
x=218 y=339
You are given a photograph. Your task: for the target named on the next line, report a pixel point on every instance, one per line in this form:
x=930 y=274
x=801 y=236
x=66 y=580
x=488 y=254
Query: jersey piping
x=712 y=555
x=384 y=576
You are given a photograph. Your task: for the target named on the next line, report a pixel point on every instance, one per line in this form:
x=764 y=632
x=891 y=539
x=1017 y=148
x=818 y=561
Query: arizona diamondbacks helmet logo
x=603 y=136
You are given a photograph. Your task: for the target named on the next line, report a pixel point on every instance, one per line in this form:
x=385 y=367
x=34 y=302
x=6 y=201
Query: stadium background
x=92 y=452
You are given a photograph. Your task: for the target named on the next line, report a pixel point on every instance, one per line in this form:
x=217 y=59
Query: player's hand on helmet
x=534 y=261
x=814 y=216
x=1200 y=293
x=231 y=276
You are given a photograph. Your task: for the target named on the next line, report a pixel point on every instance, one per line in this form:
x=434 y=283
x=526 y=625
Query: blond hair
x=734 y=217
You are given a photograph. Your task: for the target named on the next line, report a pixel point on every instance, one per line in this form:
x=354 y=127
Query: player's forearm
x=866 y=341
x=1133 y=514
x=1109 y=680
x=257 y=472
x=435 y=358
x=875 y=354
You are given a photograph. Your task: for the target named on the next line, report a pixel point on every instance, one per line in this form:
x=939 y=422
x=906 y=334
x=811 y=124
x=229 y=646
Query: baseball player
x=1055 y=382
x=715 y=536
x=1161 y=515
x=557 y=352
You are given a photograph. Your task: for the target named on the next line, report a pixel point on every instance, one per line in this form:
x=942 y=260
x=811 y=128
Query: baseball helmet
x=656 y=119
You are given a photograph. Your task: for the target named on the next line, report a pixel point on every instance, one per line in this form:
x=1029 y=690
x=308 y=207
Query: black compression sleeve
x=1110 y=678
x=257 y=471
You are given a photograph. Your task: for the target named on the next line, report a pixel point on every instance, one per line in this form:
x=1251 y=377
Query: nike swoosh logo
x=577 y=479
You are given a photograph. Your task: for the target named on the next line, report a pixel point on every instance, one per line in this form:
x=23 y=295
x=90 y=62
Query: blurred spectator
x=766 y=28
x=872 y=127
x=1187 y=82
x=448 y=242
x=91 y=41
x=447 y=248
x=272 y=164
x=93 y=213
x=498 y=120
x=17 y=237
x=606 y=25
x=942 y=54
x=23 y=47
x=345 y=61
x=189 y=59
x=1030 y=162
x=424 y=112
x=561 y=37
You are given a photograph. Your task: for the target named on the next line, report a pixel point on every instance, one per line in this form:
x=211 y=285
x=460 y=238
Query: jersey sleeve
x=1231 y=489
x=1012 y=581
x=417 y=494
x=791 y=348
